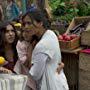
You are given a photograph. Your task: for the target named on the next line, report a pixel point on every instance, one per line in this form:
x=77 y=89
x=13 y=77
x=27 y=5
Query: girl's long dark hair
x=2 y=41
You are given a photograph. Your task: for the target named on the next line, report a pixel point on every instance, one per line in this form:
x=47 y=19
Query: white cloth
x=47 y=53
x=12 y=82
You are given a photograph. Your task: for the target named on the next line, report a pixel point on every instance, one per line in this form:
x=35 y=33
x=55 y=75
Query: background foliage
x=67 y=9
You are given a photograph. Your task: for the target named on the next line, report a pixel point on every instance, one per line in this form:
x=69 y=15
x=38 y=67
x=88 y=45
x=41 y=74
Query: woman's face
x=29 y=29
x=9 y=34
x=28 y=32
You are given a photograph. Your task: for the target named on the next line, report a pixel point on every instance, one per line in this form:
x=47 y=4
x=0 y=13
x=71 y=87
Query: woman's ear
x=38 y=24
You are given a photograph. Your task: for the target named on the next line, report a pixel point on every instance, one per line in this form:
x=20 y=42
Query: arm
x=38 y=67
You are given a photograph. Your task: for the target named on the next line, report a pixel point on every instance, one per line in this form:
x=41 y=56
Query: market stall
x=77 y=64
x=71 y=61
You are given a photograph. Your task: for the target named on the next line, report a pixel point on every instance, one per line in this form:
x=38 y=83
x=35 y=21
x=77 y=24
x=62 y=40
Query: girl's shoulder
x=21 y=44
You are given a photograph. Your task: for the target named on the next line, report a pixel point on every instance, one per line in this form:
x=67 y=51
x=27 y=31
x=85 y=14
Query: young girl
x=24 y=49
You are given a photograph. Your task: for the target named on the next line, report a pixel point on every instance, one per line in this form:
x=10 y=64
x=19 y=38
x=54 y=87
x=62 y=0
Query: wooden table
x=71 y=69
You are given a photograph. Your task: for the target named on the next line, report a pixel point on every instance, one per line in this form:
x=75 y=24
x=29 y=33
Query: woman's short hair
x=38 y=16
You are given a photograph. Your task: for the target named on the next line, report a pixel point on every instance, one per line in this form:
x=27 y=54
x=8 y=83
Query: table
x=71 y=69
x=12 y=82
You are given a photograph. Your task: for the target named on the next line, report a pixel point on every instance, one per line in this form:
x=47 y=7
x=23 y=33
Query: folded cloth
x=85 y=51
x=12 y=82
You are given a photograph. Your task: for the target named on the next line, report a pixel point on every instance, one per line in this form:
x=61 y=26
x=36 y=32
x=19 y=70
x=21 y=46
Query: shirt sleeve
x=38 y=67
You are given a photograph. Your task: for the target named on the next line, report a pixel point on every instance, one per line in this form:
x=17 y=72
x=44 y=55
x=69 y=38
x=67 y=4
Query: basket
x=84 y=71
x=70 y=45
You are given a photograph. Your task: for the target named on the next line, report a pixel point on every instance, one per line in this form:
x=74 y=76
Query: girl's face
x=9 y=34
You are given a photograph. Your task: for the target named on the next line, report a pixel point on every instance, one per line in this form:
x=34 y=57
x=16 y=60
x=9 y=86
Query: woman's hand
x=60 y=67
x=4 y=70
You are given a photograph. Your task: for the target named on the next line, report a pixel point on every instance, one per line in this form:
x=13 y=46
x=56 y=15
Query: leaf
x=62 y=4
x=76 y=10
x=71 y=10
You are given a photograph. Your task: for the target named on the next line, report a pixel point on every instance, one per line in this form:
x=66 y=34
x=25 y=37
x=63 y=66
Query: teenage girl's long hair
x=2 y=41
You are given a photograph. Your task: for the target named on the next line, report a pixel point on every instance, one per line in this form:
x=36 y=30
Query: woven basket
x=69 y=45
x=84 y=71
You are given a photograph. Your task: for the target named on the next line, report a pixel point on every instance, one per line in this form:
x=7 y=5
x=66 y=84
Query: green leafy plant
x=67 y=9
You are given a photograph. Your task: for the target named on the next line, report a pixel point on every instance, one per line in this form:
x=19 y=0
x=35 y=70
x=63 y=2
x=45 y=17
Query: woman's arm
x=38 y=67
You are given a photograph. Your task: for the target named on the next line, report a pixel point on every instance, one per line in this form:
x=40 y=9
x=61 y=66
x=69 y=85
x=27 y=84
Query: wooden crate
x=71 y=69
x=77 y=20
x=84 y=71
x=85 y=36
x=69 y=45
